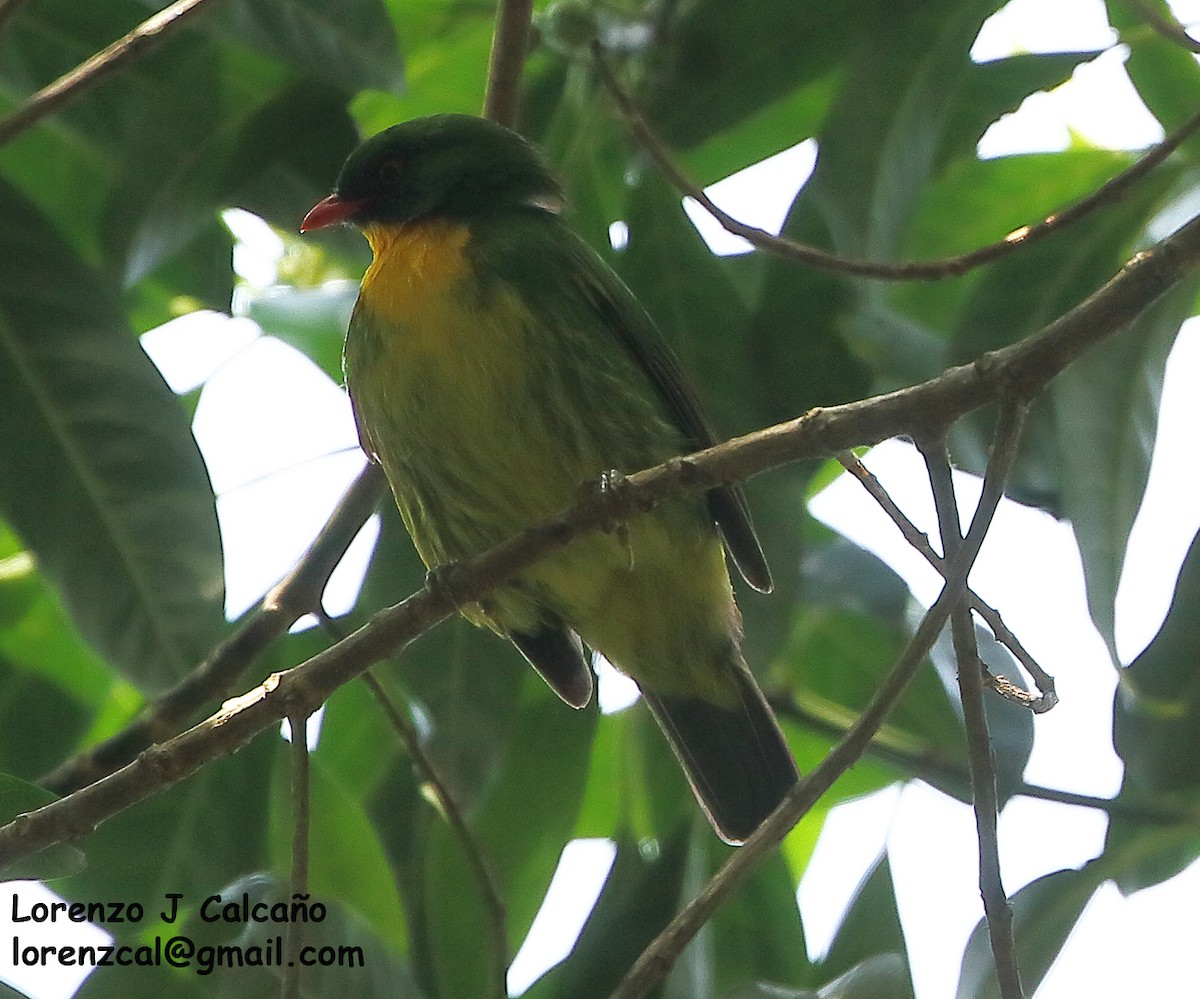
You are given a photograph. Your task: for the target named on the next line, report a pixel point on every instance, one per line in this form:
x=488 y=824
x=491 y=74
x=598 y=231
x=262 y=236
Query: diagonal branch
x=103 y=64
x=1018 y=371
x=922 y=270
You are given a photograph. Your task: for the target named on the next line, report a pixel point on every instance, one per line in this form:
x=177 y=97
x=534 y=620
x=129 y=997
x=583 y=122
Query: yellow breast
x=415 y=267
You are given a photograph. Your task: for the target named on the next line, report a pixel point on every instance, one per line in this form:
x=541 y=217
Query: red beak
x=330 y=211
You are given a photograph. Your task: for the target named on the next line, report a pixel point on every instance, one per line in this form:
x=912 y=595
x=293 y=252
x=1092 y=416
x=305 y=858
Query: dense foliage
x=111 y=579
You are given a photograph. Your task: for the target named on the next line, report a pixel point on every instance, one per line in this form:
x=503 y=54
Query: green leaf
x=724 y=67
x=1017 y=296
x=1106 y=407
x=40 y=724
x=883 y=976
x=756 y=934
x=521 y=826
x=105 y=483
x=1156 y=710
x=1044 y=913
x=974 y=203
x=461 y=681
x=997 y=87
x=38 y=638
x=640 y=895
x=348 y=43
x=901 y=85
x=1163 y=71
x=870 y=929
x=1139 y=853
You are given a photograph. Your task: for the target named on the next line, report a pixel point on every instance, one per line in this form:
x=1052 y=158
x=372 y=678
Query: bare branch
x=1003 y=634
x=510 y=42
x=1015 y=372
x=970 y=684
x=925 y=270
x=103 y=64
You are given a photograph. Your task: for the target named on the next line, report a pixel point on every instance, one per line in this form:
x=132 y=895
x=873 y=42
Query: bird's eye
x=390 y=172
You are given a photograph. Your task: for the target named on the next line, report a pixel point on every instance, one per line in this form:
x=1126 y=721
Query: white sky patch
x=582 y=870
x=763 y=194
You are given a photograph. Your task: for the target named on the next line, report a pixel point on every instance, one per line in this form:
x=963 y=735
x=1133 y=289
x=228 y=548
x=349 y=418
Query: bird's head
x=445 y=166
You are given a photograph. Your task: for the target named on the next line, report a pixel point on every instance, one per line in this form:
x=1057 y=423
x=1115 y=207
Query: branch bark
x=510 y=42
x=103 y=64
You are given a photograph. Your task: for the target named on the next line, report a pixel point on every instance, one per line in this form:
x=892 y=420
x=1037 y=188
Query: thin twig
x=494 y=905
x=659 y=957
x=1020 y=369
x=103 y=64
x=301 y=803
x=297 y=594
x=922 y=270
x=510 y=42
x=1165 y=25
x=970 y=684
x=1003 y=634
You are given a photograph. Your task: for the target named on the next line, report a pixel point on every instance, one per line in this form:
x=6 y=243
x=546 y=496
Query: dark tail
x=735 y=758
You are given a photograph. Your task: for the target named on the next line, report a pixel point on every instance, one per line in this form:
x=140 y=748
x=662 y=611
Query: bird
x=495 y=364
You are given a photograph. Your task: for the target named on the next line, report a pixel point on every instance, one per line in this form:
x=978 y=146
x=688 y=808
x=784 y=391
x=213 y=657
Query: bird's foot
x=439 y=583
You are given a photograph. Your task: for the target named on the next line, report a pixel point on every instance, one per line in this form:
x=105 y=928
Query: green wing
x=563 y=261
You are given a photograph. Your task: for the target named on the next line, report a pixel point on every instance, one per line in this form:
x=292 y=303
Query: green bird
x=495 y=363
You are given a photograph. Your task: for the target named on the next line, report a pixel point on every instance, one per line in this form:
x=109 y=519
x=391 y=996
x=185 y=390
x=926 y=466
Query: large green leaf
x=887 y=127
x=755 y=935
x=1156 y=712
x=103 y=479
x=640 y=894
x=38 y=637
x=994 y=88
x=725 y=66
x=1163 y=71
x=1017 y=296
x=1044 y=913
x=349 y=43
x=870 y=929
x=201 y=833
x=1106 y=407
x=520 y=827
